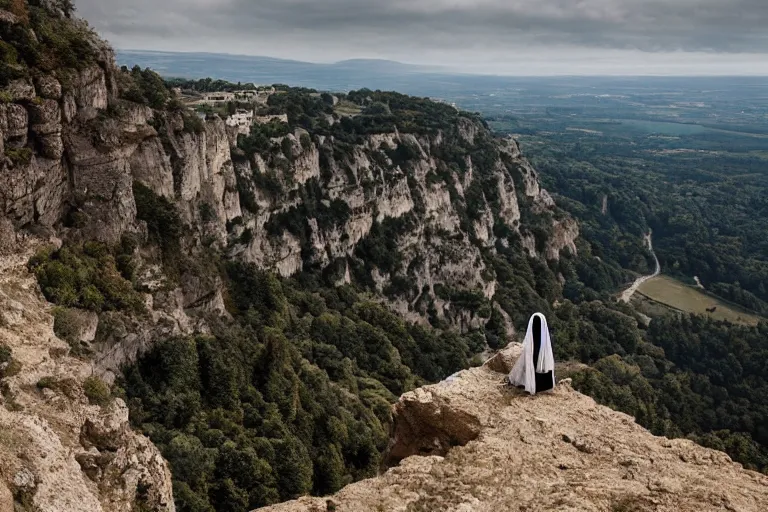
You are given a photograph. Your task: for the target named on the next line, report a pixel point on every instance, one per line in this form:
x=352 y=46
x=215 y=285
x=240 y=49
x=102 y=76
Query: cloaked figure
x=535 y=369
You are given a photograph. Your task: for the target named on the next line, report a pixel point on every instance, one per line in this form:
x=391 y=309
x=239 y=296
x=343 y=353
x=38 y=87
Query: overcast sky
x=520 y=37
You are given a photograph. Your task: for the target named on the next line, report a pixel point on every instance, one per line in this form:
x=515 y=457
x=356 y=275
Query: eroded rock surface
x=59 y=452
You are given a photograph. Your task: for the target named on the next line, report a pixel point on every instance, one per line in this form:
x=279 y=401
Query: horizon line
x=443 y=70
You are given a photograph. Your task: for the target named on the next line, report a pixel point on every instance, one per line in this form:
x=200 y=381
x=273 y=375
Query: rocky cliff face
x=74 y=149
x=471 y=443
x=58 y=450
x=439 y=218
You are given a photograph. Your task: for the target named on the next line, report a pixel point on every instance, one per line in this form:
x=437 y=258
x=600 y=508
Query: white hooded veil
x=524 y=372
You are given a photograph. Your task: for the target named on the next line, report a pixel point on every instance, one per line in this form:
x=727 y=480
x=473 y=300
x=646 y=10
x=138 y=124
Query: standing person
x=535 y=369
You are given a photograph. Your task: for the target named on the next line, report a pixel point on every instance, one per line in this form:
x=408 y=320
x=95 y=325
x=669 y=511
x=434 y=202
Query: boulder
x=21 y=90
x=17 y=120
x=425 y=423
x=108 y=429
x=505 y=359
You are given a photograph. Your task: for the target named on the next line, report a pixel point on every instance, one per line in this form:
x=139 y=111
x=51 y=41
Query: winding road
x=629 y=292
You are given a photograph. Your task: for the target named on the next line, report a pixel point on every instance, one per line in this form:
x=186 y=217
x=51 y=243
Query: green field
x=347 y=108
x=680 y=296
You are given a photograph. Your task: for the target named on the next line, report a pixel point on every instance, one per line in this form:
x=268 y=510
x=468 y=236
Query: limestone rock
x=21 y=90
x=41 y=454
x=107 y=430
x=504 y=360
x=426 y=423
x=90 y=88
x=8 y=241
x=17 y=122
x=48 y=87
x=564 y=236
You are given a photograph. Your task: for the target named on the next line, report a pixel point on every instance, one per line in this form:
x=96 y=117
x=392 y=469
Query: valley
x=627 y=294
x=215 y=299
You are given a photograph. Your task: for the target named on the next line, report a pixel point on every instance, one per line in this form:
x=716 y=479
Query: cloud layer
x=480 y=32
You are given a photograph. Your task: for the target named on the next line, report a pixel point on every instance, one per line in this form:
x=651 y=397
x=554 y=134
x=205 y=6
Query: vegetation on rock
x=292 y=398
x=42 y=40
x=85 y=276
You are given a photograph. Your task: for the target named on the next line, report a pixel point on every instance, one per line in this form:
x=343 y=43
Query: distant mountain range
x=339 y=76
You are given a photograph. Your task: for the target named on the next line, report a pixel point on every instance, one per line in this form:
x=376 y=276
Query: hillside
x=474 y=444
x=63 y=444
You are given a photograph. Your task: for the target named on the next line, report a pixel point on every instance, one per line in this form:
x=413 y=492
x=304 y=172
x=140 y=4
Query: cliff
x=355 y=202
x=60 y=447
x=471 y=443
x=151 y=211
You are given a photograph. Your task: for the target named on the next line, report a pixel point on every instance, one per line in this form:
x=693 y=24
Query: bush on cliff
x=53 y=43
x=85 y=276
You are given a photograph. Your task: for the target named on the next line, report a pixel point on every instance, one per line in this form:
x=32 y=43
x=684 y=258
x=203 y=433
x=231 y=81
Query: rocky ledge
x=470 y=443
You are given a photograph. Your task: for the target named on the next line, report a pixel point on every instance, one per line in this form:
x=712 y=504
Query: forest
x=701 y=190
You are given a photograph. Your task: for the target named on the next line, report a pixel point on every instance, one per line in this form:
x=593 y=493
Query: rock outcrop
x=472 y=443
x=58 y=451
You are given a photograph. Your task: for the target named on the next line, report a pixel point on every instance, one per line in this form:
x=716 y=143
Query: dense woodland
x=702 y=194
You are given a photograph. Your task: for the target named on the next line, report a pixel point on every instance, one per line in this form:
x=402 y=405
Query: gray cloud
x=433 y=30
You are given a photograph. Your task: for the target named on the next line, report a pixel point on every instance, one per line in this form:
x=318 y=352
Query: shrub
x=207 y=213
x=287 y=147
x=13 y=368
x=149 y=87
x=134 y=94
x=84 y=277
x=46 y=382
x=161 y=216
x=247 y=236
x=20 y=9
x=5 y=353
x=19 y=156
x=97 y=391
x=306 y=141
x=60 y=43
x=193 y=123
x=162 y=219
x=66 y=324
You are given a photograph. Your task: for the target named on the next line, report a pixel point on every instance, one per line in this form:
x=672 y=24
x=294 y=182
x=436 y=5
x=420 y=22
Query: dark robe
x=543 y=380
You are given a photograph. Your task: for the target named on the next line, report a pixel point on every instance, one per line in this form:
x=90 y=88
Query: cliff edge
x=553 y=451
